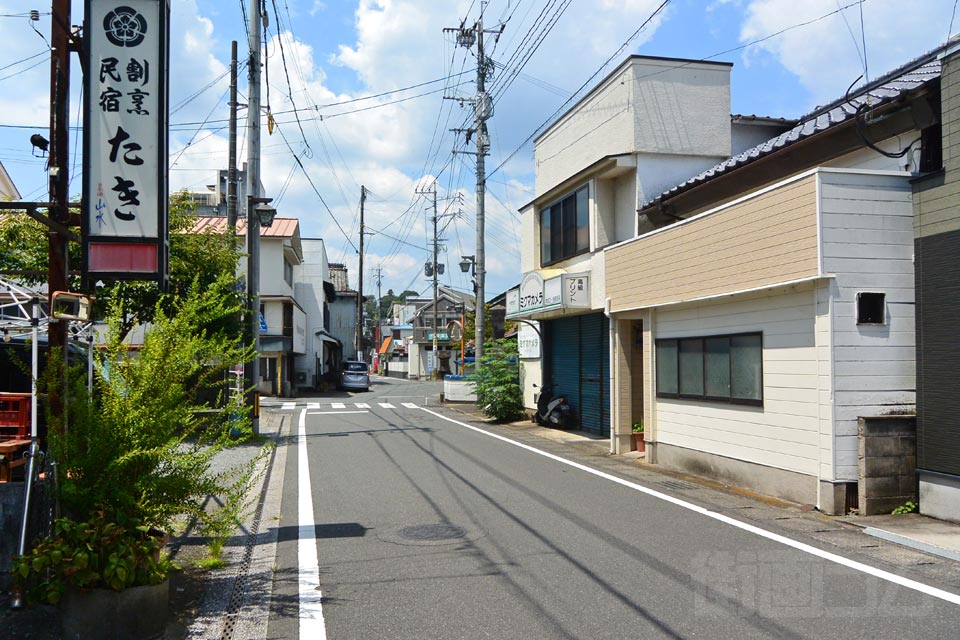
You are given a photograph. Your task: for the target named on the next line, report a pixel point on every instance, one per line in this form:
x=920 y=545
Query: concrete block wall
x=887 y=462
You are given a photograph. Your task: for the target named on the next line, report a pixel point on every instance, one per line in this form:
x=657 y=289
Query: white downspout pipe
x=612 y=333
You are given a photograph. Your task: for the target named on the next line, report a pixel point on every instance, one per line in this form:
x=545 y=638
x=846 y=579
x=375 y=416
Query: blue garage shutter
x=565 y=360
x=580 y=368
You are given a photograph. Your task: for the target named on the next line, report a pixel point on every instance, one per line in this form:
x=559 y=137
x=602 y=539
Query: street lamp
x=258 y=213
x=265 y=213
x=468 y=264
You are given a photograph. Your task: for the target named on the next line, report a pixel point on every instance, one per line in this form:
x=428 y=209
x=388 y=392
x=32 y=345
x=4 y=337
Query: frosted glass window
x=717 y=367
x=667 y=367
x=714 y=368
x=691 y=367
x=746 y=367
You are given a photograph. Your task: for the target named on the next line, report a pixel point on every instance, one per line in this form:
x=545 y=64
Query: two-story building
x=451 y=306
x=315 y=292
x=284 y=337
x=767 y=303
x=649 y=124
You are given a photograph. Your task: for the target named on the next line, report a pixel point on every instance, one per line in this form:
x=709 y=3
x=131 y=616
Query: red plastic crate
x=14 y=415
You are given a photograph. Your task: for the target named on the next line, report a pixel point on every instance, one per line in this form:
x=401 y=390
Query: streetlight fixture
x=468 y=264
x=265 y=213
x=258 y=213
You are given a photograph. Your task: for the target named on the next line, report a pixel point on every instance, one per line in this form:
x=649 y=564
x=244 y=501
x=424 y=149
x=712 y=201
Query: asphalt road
x=425 y=527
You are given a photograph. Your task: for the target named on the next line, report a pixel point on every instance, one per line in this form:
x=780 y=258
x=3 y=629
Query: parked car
x=355 y=376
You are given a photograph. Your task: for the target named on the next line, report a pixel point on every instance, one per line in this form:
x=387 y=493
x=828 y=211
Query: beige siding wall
x=937 y=204
x=783 y=433
x=768 y=239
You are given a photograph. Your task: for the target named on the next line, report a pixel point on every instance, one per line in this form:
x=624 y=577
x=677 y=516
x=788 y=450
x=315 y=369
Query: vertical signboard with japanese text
x=125 y=225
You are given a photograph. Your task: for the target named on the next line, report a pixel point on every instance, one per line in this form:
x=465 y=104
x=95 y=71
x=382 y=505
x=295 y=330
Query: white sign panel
x=528 y=341
x=531 y=292
x=576 y=291
x=125 y=186
x=513 y=302
x=552 y=293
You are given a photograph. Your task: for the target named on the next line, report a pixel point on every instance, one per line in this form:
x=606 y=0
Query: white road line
x=361 y=405
x=338 y=405
x=312 y=626
x=763 y=533
x=409 y=405
x=333 y=413
x=313 y=405
x=386 y=405
x=288 y=406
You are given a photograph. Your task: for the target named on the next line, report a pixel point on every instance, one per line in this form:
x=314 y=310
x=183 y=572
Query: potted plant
x=637 y=442
x=107 y=574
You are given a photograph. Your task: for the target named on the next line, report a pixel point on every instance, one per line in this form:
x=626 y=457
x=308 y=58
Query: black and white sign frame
x=125 y=207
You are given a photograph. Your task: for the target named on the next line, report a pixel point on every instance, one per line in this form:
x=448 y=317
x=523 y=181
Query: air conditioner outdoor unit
x=301 y=377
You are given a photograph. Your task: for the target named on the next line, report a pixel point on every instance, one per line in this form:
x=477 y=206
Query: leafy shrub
x=99 y=552
x=497 y=383
x=140 y=448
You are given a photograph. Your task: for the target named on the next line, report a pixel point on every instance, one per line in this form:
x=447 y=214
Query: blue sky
x=339 y=51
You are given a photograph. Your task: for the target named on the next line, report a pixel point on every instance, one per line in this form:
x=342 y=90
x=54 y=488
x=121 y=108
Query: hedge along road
x=425 y=526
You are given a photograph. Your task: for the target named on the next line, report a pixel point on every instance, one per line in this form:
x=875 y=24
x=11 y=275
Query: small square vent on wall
x=871 y=308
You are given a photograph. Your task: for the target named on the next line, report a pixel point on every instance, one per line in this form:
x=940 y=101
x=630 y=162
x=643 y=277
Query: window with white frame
x=565 y=228
x=727 y=368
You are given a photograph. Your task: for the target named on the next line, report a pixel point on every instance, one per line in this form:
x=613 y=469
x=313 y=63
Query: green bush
x=140 y=448
x=497 y=383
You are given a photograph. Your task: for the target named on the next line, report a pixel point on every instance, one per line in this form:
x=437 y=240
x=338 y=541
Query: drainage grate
x=677 y=484
x=431 y=532
x=239 y=591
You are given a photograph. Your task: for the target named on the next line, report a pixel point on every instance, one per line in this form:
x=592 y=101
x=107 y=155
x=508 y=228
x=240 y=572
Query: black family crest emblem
x=124 y=27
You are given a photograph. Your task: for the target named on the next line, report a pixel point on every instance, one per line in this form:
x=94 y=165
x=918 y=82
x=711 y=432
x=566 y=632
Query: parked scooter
x=552 y=411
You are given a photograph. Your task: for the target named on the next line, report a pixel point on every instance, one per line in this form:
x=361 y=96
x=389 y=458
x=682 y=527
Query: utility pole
x=482 y=111
x=59 y=177
x=379 y=280
x=363 y=199
x=436 y=359
x=232 y=152
x=253 y=224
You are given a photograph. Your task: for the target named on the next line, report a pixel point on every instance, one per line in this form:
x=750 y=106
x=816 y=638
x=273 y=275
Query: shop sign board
x=576 y=291
x=528 y=341
x=125 y=224
x=553 y=293
x=531 y=293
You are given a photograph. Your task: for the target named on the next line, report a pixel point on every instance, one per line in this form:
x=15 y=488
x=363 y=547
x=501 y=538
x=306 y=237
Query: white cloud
x=824 y=54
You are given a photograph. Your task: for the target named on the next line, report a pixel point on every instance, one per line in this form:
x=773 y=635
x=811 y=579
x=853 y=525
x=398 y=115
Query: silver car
x=355 y=376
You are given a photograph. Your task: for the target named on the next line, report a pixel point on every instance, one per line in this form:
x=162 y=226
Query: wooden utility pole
x=363 y=199
x=59 y=174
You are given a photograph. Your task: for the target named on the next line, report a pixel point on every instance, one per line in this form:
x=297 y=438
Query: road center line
x=312 y=626
x=763 y=533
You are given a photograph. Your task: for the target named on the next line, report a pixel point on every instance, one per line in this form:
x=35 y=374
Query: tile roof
x=903 y=80
x=281 y=228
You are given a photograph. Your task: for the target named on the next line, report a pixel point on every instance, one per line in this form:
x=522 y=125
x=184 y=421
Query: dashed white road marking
x=288 y=406
x=386 y=405
x=311 y=610
x=409 y=405
x=952 y=598
x=313 y=405
x=338 y=405
x=361 y=405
